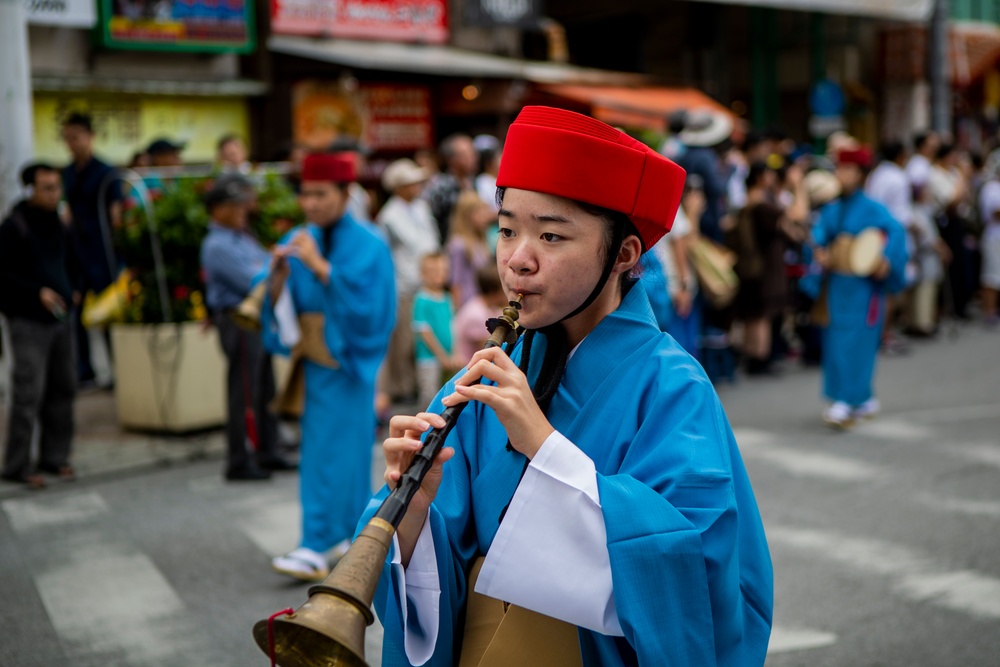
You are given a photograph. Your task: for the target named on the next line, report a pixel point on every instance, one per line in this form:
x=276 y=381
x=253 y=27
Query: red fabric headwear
x=861 y=156
x=335 y=167
x=566 y=154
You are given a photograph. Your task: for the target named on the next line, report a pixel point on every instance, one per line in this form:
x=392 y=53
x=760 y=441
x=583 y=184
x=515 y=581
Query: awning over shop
x=440 y=60
x=645 y=107
x=899 y=10
x=974 y=49
x=84 y=83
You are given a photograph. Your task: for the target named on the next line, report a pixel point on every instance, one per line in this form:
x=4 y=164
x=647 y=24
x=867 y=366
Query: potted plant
x=169 y=366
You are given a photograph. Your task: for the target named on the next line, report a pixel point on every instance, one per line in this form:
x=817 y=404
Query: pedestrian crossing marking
x=53 y=511
x=957 y=413
x=755 y=444
x=135 y=601
x=987 y=453
x=785 y=639
x=961 y=505
x=913 y=575
x=895 y=429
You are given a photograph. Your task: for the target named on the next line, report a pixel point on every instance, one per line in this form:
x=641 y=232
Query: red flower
x=181 y=292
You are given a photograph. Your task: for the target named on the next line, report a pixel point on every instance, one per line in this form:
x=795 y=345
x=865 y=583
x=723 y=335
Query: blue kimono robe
x=690 y=565
x=856 y=305
x=359 y=305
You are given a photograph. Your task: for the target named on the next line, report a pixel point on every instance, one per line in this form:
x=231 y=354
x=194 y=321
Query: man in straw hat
x=595 y=471
x=855 y=303
x=339 y=280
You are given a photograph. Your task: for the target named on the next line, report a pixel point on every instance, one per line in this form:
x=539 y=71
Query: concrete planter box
x=168 y=377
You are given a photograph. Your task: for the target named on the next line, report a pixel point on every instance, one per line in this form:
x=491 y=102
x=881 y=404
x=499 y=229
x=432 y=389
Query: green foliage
x=181 y=223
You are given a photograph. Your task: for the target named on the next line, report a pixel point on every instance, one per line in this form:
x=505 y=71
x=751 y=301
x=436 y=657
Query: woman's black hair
x=756 y=173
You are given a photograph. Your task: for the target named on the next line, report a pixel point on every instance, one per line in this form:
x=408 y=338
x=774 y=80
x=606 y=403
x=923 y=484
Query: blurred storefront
x=763 y=59
x=142 y=70
x=402 y=75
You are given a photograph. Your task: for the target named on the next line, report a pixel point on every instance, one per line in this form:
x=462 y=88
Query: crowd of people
x=383 y=295
x=778 y=209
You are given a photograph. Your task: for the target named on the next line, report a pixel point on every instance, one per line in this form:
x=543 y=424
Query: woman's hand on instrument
x=510 y=398
x=403 y=442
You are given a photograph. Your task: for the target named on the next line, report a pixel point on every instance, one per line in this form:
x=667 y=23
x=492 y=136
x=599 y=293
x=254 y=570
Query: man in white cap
x=412 y=232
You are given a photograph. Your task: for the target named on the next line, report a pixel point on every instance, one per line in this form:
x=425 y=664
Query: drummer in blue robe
x=331 y=304
x=855 y=303
x=591 y=505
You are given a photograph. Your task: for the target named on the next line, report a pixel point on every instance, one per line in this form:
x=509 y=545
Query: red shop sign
x=398 y=118
x=393 y=20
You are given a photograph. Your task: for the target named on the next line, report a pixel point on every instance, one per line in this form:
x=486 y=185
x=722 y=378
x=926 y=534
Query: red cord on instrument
x=270 y=632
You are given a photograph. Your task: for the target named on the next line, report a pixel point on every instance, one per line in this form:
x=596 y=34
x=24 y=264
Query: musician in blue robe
x=856 y=304
x=594 y=482
x=334 y=271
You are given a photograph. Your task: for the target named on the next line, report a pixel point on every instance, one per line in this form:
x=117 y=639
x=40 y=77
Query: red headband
x=569 y=155
x=861 y=156
x=338 y=168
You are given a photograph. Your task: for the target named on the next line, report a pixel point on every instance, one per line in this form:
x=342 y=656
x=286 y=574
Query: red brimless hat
x=566 y=154
x=861 y=156
x=335 y=167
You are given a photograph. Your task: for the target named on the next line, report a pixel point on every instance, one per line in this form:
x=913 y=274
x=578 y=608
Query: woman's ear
x=628 y=255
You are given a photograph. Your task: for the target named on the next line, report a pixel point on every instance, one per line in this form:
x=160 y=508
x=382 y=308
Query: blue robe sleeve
x=679 y=513
x=360 y=301
x=895 y=252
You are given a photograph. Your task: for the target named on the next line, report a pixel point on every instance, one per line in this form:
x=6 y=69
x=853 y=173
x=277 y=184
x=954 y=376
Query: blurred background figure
x=763 y=230
x=432 y=318
x=412 y=233
x=359 y=200
x=37 y=293
x=468 y=249
x=469 y=325
x=231 y=155
x=460 y=164
x=230 y=258
x=489 y=151
x=94 y=196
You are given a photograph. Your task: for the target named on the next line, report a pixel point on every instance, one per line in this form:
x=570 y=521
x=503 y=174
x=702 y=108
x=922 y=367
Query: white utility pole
x=16 y=131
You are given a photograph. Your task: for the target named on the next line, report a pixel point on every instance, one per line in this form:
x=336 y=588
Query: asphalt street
x=885 y=539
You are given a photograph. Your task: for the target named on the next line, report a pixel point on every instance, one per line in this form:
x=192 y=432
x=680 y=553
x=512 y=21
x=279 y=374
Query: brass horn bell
x=329 y=629
x=247 y=314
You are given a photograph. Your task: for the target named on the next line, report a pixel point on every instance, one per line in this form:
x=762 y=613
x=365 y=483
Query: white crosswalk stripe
x=786 y=639
x=53 y=511
x=913 y=575
x=757 y=444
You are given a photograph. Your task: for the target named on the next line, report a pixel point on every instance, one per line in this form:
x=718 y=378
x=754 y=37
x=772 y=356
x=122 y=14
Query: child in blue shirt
x=432 y=315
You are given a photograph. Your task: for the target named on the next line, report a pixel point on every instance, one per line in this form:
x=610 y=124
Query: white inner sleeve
x=557 y=506
x=550 y=554
x=419 y=596
x=289 y=332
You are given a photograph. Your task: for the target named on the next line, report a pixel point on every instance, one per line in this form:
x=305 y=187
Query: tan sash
x=291 y=400
x=498 y=634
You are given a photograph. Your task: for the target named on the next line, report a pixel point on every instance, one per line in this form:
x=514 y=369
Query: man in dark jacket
x=92 y=192
x=37 y=263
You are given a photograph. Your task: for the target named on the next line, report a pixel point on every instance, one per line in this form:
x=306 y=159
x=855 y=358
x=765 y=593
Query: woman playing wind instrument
x=595 y=469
